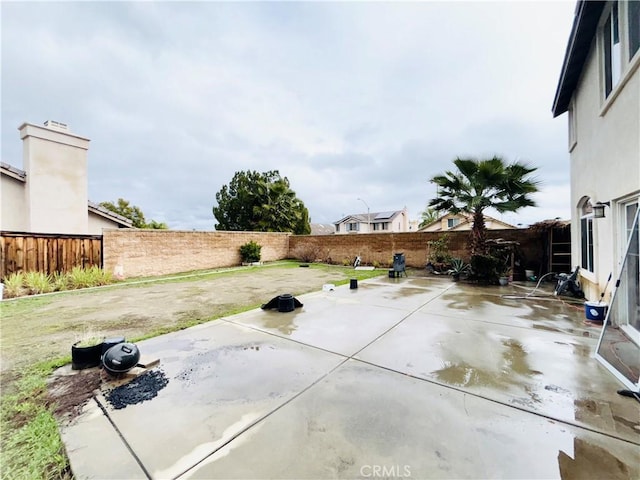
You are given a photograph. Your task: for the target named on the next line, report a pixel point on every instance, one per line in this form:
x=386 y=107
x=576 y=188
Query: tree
x=427 y=216
x=481 y=184
x=260 y=202
x=157 y=225
x=124 y=208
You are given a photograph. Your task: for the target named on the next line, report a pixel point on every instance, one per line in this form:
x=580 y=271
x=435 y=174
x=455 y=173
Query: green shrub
x=37 y=282
x=59 y=281
x=31 y=283
x=250 y=252
x=439 y=250
x=78 y=278
x=486 y=268
x=100 y=276
x=14 y=285
x=93 y=276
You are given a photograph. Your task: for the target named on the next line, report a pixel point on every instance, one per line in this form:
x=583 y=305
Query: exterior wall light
x=598 y=209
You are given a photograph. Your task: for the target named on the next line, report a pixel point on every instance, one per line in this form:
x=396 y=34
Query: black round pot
x=121 y=358
x=286 y=303
x=85 y=357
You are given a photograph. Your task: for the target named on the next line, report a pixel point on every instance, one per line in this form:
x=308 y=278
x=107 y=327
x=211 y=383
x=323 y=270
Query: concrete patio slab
x=538 y=371
x=509 y=305
x=222 y=378
x=86 y=442
x=364 y=422
x=341 y=327
x=369 y=383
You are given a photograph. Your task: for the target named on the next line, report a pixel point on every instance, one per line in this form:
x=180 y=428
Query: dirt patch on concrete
x=42 y=328
x=68 y=393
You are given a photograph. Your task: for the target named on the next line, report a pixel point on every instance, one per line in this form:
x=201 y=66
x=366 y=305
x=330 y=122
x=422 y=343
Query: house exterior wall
x=399 y=223
x=96 y=223
x=464 y=224
x=13 y=209
x=56 y=189
x=443 y=224
x=605 y=161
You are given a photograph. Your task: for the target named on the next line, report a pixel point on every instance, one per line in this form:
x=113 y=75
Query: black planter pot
x=85 y=357
x=286 y=303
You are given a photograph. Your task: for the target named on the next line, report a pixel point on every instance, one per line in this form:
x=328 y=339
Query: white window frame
x=628 y=64
x=612 y=34
x=452 y=222
x=623 y=234
x=586 y=219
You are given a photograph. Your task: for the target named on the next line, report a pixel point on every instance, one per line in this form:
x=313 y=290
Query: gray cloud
x=348 y=100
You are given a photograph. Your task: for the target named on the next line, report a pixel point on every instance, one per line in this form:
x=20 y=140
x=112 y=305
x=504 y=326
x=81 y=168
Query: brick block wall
x=380 y=247
x=136 y=253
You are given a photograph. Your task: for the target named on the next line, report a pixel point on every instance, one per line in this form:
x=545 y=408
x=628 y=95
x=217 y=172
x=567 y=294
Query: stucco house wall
x=96 y=223
x=372 y=222
x=604 y=145
x=12 y=200
x=464 y=223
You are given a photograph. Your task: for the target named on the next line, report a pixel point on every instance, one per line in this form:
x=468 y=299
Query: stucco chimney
x=56 y=188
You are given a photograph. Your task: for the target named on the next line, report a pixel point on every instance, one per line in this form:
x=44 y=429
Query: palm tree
x=277 y=209
x=427 y=216
x=480 y=184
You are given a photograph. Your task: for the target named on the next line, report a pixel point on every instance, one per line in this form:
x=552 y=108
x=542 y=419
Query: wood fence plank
x=47 y=253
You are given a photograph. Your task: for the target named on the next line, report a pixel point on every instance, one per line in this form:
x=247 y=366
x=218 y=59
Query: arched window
x=586 y=234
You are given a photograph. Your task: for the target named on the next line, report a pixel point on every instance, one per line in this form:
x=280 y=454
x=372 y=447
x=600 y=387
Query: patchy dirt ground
x=45 y=327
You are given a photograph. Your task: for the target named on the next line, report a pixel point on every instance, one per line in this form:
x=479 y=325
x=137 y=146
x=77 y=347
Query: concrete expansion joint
x=504 y=404
x=122 y=438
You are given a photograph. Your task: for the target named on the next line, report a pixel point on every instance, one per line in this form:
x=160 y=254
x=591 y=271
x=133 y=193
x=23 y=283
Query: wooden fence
x=49 y=253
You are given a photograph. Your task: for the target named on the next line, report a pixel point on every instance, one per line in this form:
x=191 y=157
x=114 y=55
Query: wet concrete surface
x=400 y=378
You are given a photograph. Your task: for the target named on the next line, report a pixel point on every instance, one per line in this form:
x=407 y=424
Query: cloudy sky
x=349 y=100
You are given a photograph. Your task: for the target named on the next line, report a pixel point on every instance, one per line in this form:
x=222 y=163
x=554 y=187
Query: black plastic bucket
x=286 y=303
x=353 y=284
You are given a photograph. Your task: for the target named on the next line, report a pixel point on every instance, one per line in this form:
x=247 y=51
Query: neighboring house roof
x=373 y=217
x=323 y=229
x=585 y=24
x=13 y=172
x=109 y=215
x=465 y=219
